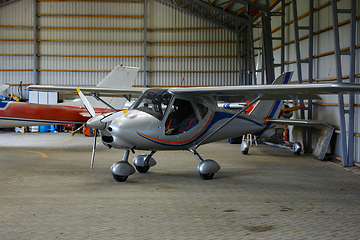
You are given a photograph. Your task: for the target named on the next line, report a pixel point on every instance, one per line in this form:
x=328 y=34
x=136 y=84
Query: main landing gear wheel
x=207 y=169
x=119 y=178
x=207 y=176
x=142 y=169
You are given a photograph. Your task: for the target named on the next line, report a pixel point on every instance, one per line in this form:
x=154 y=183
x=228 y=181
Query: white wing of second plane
x=103 y=91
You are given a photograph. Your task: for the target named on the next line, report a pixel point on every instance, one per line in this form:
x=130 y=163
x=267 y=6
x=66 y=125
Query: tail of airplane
x=120 y=76
x=271 y=108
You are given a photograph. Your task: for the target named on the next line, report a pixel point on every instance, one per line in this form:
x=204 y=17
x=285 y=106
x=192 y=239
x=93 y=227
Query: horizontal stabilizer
x=299 y=122
x=3 y=87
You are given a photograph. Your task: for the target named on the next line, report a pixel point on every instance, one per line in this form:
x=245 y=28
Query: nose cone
x=123 y=129
x=95 y=122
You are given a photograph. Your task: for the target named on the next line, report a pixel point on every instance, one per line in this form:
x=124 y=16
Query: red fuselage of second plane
x=17 y=114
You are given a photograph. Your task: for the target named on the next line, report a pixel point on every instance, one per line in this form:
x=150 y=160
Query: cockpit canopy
x=183 y=113
x=154 y=102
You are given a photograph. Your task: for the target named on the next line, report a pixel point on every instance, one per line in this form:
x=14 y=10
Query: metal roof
x=233 y=15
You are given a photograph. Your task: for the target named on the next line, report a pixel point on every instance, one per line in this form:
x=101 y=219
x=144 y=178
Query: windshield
x=154 y=102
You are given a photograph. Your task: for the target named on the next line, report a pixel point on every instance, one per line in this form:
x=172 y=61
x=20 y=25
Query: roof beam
x=219 y=10
x=259 y=6
x=5 y=2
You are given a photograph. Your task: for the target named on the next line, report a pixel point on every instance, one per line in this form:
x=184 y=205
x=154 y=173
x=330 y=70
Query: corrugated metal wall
x=80 y=50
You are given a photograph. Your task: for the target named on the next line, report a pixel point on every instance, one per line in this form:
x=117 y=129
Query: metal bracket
x=127 y=97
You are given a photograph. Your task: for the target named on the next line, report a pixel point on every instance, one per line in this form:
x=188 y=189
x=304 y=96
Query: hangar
x=190 y=43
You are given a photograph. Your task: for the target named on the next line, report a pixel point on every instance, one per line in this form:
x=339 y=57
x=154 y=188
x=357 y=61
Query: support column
x=252 y=54
x=145 y=43
x=310 y=67
x=352 y=80
x=238 y=47
x=282 y=36
x=268 y=47
x=346 y=149
x=306 y=146
x=35 y=45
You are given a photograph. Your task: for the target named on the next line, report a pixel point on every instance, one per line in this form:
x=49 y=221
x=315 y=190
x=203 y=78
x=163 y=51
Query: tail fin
x=271 y=108
x=120 y=76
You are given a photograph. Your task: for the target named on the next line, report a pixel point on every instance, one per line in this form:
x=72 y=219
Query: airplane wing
x=3 y=87
x=269 y=92
x=227 y=93
x=103 y=91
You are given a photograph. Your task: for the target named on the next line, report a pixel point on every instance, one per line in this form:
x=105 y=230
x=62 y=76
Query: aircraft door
x=182 y=117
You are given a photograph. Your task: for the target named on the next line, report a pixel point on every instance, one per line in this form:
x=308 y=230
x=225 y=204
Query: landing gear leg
x=122 y=169
x=207 y=168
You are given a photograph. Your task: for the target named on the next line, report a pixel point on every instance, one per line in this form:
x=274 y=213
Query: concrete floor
x=48 y=191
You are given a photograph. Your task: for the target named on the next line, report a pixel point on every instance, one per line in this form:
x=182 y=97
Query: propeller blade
x=93 y=152
x=86 y=103
x=113 y=116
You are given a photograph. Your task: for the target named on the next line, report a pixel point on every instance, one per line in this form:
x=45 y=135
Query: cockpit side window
x=153 y=102
x=181 y=118
x=203 y=110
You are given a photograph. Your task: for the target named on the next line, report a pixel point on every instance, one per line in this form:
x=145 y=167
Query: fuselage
x=148 y=126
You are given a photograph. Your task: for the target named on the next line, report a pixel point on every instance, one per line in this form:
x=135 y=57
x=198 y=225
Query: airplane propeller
x=97 y=122
x=86 y=103
x=113 y=116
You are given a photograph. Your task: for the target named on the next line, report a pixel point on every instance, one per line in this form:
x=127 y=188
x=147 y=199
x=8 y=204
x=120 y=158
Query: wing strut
x=228 y=121
x=97 y=97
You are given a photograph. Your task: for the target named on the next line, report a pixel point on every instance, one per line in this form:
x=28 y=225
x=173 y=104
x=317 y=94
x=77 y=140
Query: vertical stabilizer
x=120 y=76
x=271 y=108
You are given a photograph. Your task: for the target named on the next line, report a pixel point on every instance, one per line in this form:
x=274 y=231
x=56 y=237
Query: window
x=181 y=118
x=154 y=102
x=202 y=110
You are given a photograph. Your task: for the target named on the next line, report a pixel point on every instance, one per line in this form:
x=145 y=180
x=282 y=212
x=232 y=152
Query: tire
x=142 y=169
x=207 y=176
x=119 y=178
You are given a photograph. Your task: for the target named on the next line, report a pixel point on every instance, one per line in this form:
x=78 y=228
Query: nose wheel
x=122 y=169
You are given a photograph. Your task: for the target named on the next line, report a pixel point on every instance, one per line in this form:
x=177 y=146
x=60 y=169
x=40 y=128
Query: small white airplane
x=186 y=118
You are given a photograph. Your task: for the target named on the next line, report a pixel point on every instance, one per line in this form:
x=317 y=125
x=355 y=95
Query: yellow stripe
x=13 y=149
x=37 y=143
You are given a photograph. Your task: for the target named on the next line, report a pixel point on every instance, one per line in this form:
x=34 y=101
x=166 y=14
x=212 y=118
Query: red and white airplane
x=18 y=114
